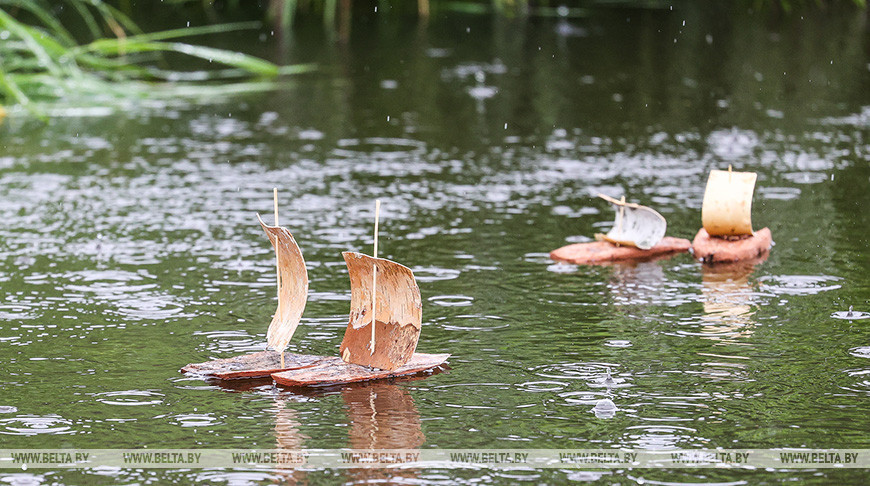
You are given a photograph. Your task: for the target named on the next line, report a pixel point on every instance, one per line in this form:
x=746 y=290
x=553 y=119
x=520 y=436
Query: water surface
x=131 y=248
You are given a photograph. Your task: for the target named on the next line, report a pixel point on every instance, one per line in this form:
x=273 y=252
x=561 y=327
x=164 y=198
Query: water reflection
x=728 y=320
x=382 y=416
x=289 y=437
x=637 y=283
x=729 y=302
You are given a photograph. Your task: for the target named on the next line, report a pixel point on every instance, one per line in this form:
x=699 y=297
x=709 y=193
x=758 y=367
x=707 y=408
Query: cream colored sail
x=727 y=206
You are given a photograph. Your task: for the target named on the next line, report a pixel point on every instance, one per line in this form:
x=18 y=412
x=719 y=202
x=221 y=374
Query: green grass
x=42 y=63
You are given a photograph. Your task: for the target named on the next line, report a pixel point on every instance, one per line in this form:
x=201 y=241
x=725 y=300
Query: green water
x=130 y=248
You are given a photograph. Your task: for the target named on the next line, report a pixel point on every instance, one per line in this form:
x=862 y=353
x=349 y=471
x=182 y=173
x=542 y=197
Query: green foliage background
x=95 y=51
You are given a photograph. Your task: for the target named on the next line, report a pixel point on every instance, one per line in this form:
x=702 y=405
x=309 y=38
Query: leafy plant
x=41 y=61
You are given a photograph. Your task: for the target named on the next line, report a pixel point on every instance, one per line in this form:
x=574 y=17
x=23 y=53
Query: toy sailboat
x=638 y=233
x=383 y=329
x=726 y=216
x=369 y=351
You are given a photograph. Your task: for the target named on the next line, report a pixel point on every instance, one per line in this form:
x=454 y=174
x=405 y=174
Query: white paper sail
x=635 y=225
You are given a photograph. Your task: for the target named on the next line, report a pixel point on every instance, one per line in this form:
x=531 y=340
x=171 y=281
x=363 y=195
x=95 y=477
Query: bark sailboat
x=369 y=351
x=726 y=216
x=383 y=329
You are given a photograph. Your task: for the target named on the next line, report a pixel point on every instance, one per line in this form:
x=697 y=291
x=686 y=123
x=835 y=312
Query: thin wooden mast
x=277 y=262
x=375 y=276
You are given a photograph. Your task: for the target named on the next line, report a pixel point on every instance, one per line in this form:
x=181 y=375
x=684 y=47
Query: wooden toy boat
x=638 y=233
x=370 y=350
x=383 y=329
x=726 y=215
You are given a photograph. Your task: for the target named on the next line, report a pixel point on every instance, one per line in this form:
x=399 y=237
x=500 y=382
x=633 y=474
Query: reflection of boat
x=729 y=307
x=638 y=233
x=728 y=302
x=637 y=283
x=290 y=440
x=382 y=416
x=726 y=215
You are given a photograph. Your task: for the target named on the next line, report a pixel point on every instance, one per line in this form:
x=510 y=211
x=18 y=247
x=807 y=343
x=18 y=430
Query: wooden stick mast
x=375 y=276
x=277 y=262
x=621 y=215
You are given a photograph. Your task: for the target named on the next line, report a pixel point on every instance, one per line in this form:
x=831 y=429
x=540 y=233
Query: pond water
x=131 y=248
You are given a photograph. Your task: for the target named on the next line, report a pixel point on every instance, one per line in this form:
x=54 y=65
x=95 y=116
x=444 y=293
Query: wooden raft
x=334 y=371
x=603 y=251
x=713 y=249
x=254 y=365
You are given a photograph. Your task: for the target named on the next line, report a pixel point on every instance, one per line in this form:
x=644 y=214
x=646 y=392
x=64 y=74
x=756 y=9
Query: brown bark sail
x=398 y=317
x=293 y=290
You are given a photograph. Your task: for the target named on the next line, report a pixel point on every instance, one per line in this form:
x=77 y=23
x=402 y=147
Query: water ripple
x=805 y=177
x=379 y=147
x=434 y=274
x=798 y=284
x=195 y=420
x=542 y=386
x=584 y=397
x=452 y=300
x=851 y=315
x=232 y=342
x=658 y=437
x=863 y=383
x=592 y=372
x=35 y=425
x=475 y=323
x=130 y=397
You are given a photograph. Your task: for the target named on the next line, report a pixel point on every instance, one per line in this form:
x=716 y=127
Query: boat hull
x=334 y=371
x=711 y=249
x=251 y=366
x=598 y=252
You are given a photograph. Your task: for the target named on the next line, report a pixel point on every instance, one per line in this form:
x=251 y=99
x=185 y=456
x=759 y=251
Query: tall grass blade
x=30 y=38
x=44 y=16
x=235 y=59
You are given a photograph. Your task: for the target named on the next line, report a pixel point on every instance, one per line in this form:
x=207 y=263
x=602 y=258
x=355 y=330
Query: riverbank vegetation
x=95 y=51
x=108 y=57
